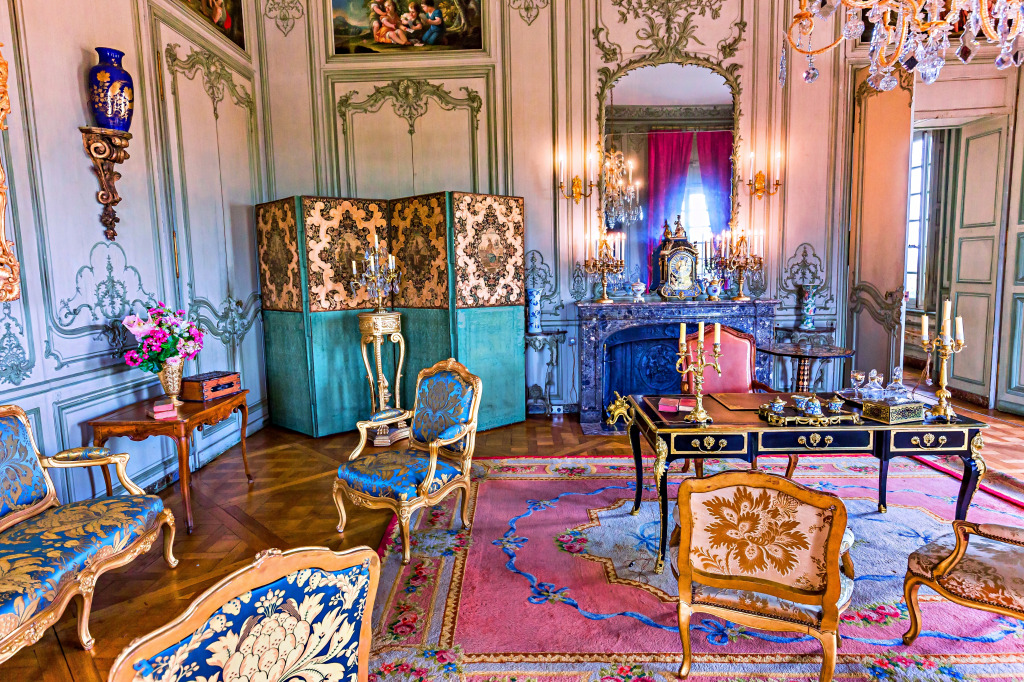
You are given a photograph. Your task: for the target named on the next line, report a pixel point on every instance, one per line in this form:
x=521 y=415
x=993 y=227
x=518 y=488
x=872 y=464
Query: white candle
x=700 y=331
x=391 y=261
x=354 y=268
x=751 y=176
x=945 y=330
x=630 y=164
x=561 y=170
x=718 y=333
x=593 y=167
x=778 y=165
x=682 y=336
x=947 y=309
x=375 y=242
x=924 y=327
x=959 y=328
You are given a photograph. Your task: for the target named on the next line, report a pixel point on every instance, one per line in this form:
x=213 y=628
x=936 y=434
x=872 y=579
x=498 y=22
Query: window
x=696 y=218
x=918 y=210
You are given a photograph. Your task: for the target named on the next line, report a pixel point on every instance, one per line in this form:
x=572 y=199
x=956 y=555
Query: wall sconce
x=106 y=148
x=576 y=192
x=759 y=184
x=10 y=269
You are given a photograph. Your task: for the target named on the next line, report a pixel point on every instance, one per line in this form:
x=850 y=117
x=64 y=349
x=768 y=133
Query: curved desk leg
x=659 y=565
x=99 y=443
x=974 y=471
x=638 y=464
x=883 y=476
x=244 y=410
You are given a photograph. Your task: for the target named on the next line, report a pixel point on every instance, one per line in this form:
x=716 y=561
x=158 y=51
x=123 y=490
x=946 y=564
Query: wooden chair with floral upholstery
x=437 y=461
x=762 y=551
x=52 y=553
x=303 y=614
x=985 y=573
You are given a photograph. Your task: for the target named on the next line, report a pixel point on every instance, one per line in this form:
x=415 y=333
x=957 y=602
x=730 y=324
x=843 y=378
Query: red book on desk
x=676 y=404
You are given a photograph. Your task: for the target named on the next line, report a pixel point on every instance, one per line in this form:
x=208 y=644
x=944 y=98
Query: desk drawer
x=923 y=439
x=697 y=444
x=816 y=439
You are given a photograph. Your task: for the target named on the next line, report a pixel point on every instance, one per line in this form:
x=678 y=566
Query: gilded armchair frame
x=963 y=531
x=405 y=508
x=269 y=566
x=826 y=599
x=83 y=585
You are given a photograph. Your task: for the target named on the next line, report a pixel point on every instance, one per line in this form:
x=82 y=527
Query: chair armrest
x=452 y=434
x=92 y=457
x=759 y=387
x=376 y=421
x=963 y=531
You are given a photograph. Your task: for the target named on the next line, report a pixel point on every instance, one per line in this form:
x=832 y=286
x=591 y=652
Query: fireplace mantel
x=656 y=323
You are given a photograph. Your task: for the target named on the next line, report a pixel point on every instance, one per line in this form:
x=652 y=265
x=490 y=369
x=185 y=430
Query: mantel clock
x=678 y=260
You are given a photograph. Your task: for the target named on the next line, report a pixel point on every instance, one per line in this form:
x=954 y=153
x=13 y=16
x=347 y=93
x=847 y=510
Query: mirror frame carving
x=10 y=269
x=609 y=76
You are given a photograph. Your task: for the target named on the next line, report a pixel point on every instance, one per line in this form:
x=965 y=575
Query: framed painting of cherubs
x=389 y=26
x=225 y=15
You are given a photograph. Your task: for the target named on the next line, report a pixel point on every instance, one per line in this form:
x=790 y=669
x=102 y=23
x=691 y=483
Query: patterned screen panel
x=339 y=231
x=420 y=237
x=489 y=267
x=278 y=252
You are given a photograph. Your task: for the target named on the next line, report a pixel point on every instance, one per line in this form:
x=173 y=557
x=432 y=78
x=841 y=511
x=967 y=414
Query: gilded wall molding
x=410 y=99
x=719 y=114
x=284 y=13
x=529 y=10
x=218 y=79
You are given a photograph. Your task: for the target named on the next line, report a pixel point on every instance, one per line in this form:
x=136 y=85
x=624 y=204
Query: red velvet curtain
x=714 y=154
x=668 y=159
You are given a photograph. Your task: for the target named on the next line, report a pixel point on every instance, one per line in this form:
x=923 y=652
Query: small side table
x=538 y=342
x=131 y=422
x=805 y=354
x=818 y=336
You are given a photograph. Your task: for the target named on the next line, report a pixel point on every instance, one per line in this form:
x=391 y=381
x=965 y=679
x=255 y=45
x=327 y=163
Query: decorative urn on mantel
x=111 y=91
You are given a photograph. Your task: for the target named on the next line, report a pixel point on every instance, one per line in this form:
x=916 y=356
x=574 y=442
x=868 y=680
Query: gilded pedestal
x=374 y=327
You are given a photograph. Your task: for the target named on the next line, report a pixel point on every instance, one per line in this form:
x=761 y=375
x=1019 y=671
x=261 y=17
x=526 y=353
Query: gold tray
x=791 y=417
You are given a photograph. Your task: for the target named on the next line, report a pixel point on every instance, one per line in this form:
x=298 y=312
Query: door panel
x=1010 y=389
x=975 y=241
x=882 y=136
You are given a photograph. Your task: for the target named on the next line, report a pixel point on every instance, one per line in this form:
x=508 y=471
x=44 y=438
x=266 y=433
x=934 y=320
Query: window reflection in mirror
x=675 y=124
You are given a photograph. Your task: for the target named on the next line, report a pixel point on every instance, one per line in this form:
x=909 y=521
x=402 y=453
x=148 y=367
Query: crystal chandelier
x=913 y=34
x=621 y=193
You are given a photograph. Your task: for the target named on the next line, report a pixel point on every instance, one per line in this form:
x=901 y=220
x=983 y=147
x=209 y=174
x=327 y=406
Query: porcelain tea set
x=809 y=405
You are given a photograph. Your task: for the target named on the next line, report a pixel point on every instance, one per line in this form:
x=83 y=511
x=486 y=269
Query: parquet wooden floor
x=288 y=506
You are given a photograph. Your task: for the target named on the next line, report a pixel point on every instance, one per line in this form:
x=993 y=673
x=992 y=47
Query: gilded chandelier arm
x=91 y=457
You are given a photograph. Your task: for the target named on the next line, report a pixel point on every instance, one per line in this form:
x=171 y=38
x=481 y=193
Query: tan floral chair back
x=761 y=533
x=301 y=614
x=25 y=487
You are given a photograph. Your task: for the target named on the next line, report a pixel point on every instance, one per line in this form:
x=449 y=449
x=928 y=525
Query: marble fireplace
x=631 y=347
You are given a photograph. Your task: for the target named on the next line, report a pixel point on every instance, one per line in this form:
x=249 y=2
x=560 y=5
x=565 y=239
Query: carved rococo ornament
x=529 y=10
x=284 y=13
x=106 y=148
x=410 y=99
x=10 y=269
x=218 y=79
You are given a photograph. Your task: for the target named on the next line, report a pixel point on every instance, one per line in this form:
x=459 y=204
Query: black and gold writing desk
x=741 y=435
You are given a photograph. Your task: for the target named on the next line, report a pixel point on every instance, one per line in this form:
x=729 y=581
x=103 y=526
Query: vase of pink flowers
x=166 y=339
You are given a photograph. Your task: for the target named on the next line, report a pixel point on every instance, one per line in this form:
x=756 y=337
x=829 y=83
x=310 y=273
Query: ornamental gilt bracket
x=10 y=269
x=106 y=148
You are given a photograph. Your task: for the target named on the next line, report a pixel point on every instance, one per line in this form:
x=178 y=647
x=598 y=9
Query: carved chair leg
x=169 y=539
x=403 y=524
x=848 y=565
x=465 y=506
x=828 y=660
x=83 y=604
x=339 y=503
x=839 y=641
x=686 y=466
x=911 y=585
x=684 y=637
x=753 y=464
x=794 y=459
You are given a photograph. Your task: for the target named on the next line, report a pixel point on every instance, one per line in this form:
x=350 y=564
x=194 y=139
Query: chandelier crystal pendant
x=621 y=192
x=913 y=34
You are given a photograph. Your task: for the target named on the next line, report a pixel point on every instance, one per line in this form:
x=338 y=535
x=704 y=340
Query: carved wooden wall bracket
x=106 y=148
x=10 y=269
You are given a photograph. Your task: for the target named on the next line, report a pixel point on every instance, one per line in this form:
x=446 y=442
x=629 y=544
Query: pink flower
x=609 y=678
x=418 y=672
x=873 y=617
x=445 y=656
x=888 y=610
x=138 y=327
x=574 y=548
x=624 y=670
x=565 y=538
x=905 y=662
x=174 y=361
x=404 y=668
x=848 y=617
x=132 y=358
x=372 y=677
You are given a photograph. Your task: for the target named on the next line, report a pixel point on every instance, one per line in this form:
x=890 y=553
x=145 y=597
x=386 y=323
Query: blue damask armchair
x=436 y=462
x=303 y=614
x=52 y=553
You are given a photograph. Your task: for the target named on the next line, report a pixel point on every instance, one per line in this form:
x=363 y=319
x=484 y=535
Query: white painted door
x=1010 y=377
x=976 y=242
x=882 y=136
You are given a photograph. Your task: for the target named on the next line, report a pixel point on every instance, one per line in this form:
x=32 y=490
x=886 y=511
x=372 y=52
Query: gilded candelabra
x=946 y=346
x=712 y=279
x=608 y=260
x=696 y=368
x=738 y=256
x=577 y=190
x=380 y=277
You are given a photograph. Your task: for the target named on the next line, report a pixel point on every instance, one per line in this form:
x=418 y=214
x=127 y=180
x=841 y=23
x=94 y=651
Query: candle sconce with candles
x=608 y=259
x=740 y=255
x=576 y=189
x=946 y=345
x=694 y=365
x=381 y=277
x=758 y=182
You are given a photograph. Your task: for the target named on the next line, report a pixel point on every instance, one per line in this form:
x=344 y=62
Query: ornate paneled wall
x=197 y=164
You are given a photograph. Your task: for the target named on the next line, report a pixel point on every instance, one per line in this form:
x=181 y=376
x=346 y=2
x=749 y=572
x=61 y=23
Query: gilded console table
x=131 y=421
x=742 y=435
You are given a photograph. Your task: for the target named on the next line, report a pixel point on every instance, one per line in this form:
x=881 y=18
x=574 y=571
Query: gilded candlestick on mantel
x=946 y=345
x=608 y=258
x=740 y=256
x=698 y=362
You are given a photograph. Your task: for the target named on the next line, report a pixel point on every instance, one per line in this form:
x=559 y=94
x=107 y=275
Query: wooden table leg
x=883 y=477
x=98 y=443
x=638 y=464
x=244 y=410
x=803 y=375
x=974 y=471
x=659 y=564
x=185 y=480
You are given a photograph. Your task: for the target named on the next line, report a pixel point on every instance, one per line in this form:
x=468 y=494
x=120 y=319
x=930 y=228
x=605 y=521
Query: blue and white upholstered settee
x=303 y=614
x=52 y=553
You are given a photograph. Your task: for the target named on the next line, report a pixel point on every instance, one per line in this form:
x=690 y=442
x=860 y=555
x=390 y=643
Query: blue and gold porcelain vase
x=111 y=91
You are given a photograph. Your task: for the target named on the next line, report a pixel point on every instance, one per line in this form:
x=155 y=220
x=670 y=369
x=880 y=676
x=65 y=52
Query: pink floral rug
x=556 y=582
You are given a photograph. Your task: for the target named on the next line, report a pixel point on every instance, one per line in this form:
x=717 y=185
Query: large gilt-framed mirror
x=675 y=124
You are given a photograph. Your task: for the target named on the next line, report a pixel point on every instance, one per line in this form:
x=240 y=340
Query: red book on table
x=164 y=405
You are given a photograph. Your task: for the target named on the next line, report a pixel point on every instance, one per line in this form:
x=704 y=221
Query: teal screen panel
x=491 y=344
x=288 y=389
x=341 y=394
x=428 y=340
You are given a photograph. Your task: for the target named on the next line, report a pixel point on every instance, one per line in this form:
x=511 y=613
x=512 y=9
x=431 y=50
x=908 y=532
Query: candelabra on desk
x=946 y=346
x=687 y=364
x=380 y=278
